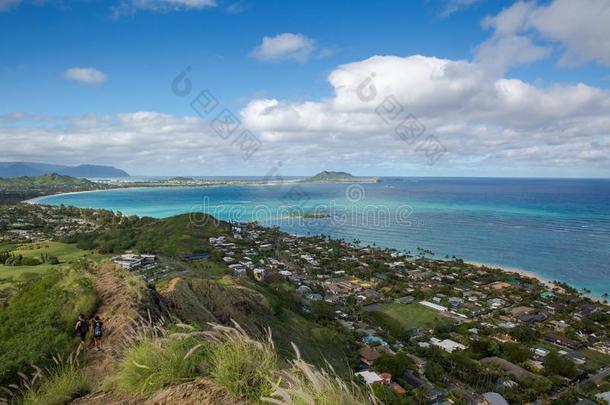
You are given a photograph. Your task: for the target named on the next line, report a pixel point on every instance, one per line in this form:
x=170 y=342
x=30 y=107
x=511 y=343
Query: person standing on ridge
x=97 y=330
x=82 y=327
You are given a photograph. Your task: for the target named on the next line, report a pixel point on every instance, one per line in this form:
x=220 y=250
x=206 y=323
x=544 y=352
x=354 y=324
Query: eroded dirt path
x=117 y=307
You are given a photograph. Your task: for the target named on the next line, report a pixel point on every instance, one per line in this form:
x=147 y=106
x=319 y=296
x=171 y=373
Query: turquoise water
x=557 y=228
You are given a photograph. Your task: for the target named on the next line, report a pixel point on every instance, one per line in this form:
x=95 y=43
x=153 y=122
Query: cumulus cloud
x=129 y=140
x=85 y=75
x=478 y=116
x=284 y=46
x=525 y=31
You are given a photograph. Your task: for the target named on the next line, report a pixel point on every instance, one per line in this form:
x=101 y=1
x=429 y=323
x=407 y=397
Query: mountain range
x=19 y=169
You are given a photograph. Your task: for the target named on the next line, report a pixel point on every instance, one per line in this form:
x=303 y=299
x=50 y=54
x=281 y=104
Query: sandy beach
x=525 y=273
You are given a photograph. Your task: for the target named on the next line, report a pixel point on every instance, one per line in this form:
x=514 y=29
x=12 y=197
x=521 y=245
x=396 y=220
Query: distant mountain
x=45 y=181
x=338 y=177
x=93 y=171
x=19 y=169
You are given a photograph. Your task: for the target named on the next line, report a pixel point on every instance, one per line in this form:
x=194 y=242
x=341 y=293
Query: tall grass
x=241 y=365
x=56 y=385
x=247 y=368
x=155 y=363
x=305 y=384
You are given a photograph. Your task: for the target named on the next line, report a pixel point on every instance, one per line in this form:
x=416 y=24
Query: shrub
x=155 y=363
x=65 y=383
x=240 y=364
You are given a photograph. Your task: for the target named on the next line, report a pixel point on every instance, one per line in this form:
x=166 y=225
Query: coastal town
x=422 y=329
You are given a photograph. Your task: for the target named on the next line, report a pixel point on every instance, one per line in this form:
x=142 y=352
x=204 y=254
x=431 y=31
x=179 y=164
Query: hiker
x=82 y=327
x=97 y=330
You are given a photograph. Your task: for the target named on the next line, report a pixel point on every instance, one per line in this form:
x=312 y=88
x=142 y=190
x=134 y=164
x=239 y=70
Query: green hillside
x=52 y=180
x=182 y=234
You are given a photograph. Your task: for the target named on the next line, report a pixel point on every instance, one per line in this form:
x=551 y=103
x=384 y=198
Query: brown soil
x=116 y=309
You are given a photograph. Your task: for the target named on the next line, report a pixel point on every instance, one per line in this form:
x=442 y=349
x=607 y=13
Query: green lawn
x=399 y=319
x=595 y=359
x=66 y=253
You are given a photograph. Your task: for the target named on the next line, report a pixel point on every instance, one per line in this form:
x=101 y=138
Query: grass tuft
x=243 y=366
x=304 y=384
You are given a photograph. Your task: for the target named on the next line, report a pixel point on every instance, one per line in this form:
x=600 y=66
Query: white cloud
x=456 y=5
x=479 y=117
x=127 y=7
x=526 y=29
x=85 y=75
x=284 y=46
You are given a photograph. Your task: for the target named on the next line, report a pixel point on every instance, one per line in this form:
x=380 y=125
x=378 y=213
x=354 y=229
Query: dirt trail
x=116 y=307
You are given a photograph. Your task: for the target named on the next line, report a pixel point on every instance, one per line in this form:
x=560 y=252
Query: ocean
x=558 y=229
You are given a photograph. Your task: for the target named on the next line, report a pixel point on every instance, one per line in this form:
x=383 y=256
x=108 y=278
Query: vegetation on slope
x=39 y=319
x=247 y=368
x=173 y=236
x=22 y=188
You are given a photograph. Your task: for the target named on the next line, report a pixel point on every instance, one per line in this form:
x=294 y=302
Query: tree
x=435 y=373
x=323 y=309
x=395 y=365
x=515 y=352
x=560 y=365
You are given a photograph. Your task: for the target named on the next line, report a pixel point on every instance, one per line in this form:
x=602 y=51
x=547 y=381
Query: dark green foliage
x=560 y=365
x=20 y=260
x=389 y=397
x=39 y=321
x=515 y=352
x=395 y=365
x=182 y=234
x=323 y=309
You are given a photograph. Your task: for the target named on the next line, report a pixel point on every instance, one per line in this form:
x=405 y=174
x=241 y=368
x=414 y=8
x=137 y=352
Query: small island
x=338 y=177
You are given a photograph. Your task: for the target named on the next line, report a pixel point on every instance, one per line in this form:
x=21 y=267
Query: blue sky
x=82 y=77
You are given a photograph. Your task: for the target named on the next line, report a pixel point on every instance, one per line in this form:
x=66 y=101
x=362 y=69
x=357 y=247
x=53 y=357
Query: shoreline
x=259 y=183
x=549 y=284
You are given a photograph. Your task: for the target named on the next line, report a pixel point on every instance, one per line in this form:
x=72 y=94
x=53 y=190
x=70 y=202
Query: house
x=368 y=355
x=434 y=306
x=397 y=388
x=604 y=396
x=584 y=311
x=405 y=300
x=455 y=301
x=447 y=345
x=504 y=338
x=508 y=367
x=562 y=341
x=519 y=311
x=497 y=285
x=369 y=377
x=493 y=398
x=313 y=297
x=533 y=317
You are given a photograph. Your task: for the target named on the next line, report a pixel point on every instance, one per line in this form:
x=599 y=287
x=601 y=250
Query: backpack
x=97 y=328
x=84 y=326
